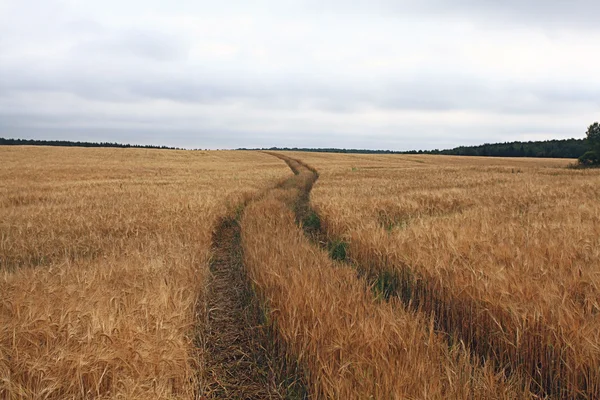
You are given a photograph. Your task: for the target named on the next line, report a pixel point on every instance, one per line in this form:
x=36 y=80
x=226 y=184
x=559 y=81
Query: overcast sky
x=387 y=74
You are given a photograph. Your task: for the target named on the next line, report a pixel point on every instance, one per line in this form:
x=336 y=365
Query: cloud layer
x=377 y=74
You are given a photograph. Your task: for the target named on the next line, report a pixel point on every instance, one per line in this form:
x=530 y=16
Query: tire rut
x=236 y=363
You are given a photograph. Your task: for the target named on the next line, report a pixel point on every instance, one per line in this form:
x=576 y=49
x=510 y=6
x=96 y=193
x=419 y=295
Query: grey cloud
x=540 y=13
x=555 y=12
x=426 y=92
x=571 y=93
x=425 y=137
x=83 y=84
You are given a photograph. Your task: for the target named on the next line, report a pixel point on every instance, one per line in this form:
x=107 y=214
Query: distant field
x=451 y=278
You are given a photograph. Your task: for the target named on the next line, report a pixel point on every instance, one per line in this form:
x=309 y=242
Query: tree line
x=68 y=143
x=587 y=150
x=565 y=148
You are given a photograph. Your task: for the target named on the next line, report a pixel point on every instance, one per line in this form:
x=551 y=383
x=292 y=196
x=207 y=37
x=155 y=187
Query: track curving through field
x=422 y=294
x=239 y=360
x=237 y=364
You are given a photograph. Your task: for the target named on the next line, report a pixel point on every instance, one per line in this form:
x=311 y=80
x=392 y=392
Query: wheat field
x=459 y=278
x=504 y=252
x=351 y=345
x=103 y=261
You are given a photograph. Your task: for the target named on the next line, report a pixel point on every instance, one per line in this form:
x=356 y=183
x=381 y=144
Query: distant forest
x=67 y=143
x=566 y=148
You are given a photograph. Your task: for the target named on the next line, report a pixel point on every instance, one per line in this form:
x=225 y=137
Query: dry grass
x=506 y=252
x=350 y=345
x=103 y=261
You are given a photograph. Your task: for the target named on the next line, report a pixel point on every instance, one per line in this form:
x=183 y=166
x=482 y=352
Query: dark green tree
x=593 y=137
x=589 y=158
x=592 y=157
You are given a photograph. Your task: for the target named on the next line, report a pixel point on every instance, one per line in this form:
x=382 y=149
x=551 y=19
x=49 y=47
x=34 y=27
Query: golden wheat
x=103 y=260
x=504 y=251
x=350 y=345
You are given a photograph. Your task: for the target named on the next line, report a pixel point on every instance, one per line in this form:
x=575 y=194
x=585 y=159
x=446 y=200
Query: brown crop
x=462 y=278
x=103 y=261
x=350 y=345
x=505 y=252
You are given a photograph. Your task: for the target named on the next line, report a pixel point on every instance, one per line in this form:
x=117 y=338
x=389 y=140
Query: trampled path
x=237 y=365
x=302 y=207
x=239 y=361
